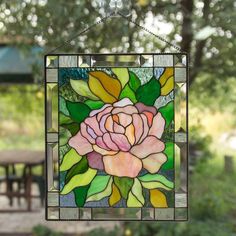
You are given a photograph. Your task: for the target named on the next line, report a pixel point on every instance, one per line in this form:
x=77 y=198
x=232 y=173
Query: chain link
x=126 y=18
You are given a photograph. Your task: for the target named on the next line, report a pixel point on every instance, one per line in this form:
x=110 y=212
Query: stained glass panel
x=116 y=137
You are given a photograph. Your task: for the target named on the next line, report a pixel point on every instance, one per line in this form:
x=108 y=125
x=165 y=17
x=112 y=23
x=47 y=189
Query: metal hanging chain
x=109 y=16
x=150 y=32
x=82 y=32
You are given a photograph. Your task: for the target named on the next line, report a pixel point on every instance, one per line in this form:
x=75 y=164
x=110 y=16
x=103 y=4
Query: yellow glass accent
x=157 y=198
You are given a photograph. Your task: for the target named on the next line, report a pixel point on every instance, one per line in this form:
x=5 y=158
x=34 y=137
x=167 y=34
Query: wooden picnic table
x=29 y=159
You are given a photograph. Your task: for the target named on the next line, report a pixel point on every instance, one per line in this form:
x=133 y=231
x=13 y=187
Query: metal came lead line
x=124 y=17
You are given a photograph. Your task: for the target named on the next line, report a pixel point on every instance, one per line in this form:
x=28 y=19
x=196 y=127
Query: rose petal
x=80 y=144
x=158 y=125
x=103 y=151
x=95 y=112
x=121 y=141
x=109 y=124
x=145 y=128
x=123 y=102
x=95 y=160
x=141 y=108
x=127 y=109
x=86 y=134
x=124 y=119
x=102 y=123
x=108 y=141
x=91 y=132
x=138 y=126
x=104 y=112
x=154 y=162
x=118 y=128
x=100 y=142
x=150 y=145
x=149 y=116
x=122 y=164
x=129 y=133
x=93 y=124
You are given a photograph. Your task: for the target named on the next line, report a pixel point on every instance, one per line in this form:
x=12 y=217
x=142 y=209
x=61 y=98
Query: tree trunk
x=187 y=33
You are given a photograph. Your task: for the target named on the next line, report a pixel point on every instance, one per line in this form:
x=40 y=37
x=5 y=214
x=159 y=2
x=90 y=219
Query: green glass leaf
x=134 y=82
x=64 y=136
x=78 y=168
x=79 y=180
x=62 y=106
x=168 y=113
x=64 y=119
x=135 y=197
x=70 y=158
x=78 y=111
x=169 y=151
x=99 y=184
x=151 y=181
x=149 y=92
x=124 y=184
x=73 y=128
x=81 y=87
x=94 y=104
x=80 y=194
x=100 y=187
x=127 y=92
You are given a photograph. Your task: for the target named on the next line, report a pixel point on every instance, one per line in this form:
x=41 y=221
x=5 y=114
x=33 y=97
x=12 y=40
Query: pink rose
x=122 y=138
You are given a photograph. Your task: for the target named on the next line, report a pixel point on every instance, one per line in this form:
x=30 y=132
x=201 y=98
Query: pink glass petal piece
x=138 y=126
x=121 y=141
x=102 y=151
x=124 y=119
x=102 y=123
x=158 y=125
x=122 y=164
x=95 y=160
x=86 y=134
x=109 y=142
x=100 y=142
x=154 y=162
x=107 y=110
x=118 y=128
x=150 y=145
x=95 y=112
x=127 y=109
x=129 y=133
x=141 y=108
x=145 y=127
x=93 y=124
x=109 y=124
x=80 y=144
x=123 y=102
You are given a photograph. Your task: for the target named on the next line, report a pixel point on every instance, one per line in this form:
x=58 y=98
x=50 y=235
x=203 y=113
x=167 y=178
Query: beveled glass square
x=53 y=213
x=68 y=61
x=52 y=61
x=69 y=213
x=164 y=214
x=163 y=60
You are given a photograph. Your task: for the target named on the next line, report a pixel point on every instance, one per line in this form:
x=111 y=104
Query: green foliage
x=41 y=230
x=127 y=92
x=169 y=151
x=76 y=169
x=78 y=111
x=124 y=184
x=168 y=113
x=134 y=81
x=149 y=92
x=80 y=195
x=199 y=141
